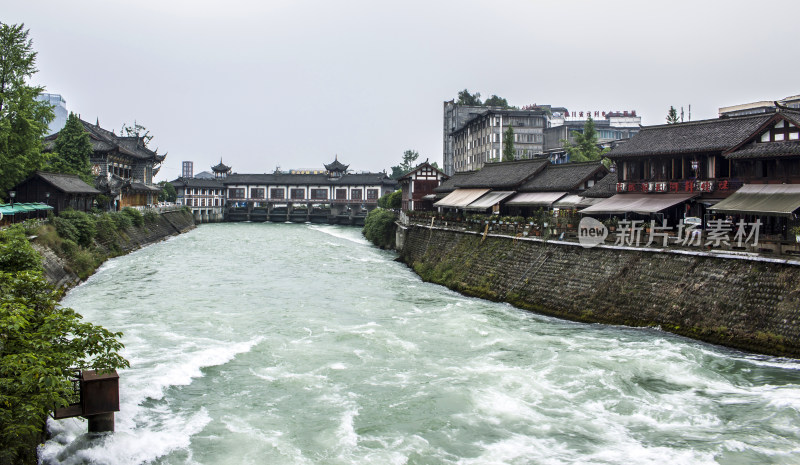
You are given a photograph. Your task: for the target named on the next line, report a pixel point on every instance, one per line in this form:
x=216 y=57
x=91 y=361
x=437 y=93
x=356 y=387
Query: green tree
x=168 y=193
x=585 y=147
x=23 y=119
x=137 y=130
x=508 y=145
x=465 y=98
x=392 y=200
x=379 y=227
x=672 y=115
x=73 y=150
x=495 y=101
x=40 y=342
x=409 y=157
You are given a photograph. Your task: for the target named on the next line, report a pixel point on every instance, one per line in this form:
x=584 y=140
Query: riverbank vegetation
x=41 y=343
x=86 y=240
x=379 y=228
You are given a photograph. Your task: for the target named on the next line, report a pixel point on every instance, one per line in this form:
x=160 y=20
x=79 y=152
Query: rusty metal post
x=102 y=423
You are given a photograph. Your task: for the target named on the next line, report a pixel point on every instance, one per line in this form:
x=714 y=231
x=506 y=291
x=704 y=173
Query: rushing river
x=302 y=344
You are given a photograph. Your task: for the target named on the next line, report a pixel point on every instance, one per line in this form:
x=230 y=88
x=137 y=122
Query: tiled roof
x=566 y=177
x=197 y=182
x=68 y=183
x=336 y=165
x=451 y=184
x=424 y=164
x=606 y=187
x=503 y=175
x=104 y=141
x=766 y=150
x=221 y=167
x=696 y=136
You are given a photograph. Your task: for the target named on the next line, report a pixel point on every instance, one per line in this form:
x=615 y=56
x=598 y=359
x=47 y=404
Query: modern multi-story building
x=59 y=109
x=766 y=106
x=480 y=139
x=187 y=170
x=610 y=126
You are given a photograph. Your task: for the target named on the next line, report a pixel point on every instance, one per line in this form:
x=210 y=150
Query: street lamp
x=47 y=198
x=12 y=194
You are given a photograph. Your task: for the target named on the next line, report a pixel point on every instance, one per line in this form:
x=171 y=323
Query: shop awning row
x=7 y=209
x=482 y=199
x=488 y=200
x=460 y=198
x=762 y=199
x=637 y=203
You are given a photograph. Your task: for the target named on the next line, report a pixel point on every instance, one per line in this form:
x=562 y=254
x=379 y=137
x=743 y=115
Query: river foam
x=301 y=344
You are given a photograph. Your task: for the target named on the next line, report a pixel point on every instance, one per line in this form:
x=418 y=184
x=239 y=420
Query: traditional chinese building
x=336 y=192
x=418 y=186
x=730 y=166
x=124 y=166
x=57 y=190
x=205 y=197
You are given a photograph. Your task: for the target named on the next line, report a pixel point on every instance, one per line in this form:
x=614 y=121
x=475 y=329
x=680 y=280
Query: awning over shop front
x=488 y=200
x=20 y=208
x=535 y=199
x=637 y=203
x=762 y=199
x=588 y=201
x=460 y=198
x=568 y=201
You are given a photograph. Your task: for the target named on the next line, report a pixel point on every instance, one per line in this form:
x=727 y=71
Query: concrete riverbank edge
x=167 y=224
x=746 y=303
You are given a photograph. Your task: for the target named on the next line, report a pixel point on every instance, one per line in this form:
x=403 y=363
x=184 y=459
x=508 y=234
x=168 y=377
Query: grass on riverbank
x=86 y=240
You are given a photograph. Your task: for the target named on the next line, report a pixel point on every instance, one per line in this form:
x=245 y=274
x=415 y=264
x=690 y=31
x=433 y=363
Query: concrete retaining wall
x=746 y=304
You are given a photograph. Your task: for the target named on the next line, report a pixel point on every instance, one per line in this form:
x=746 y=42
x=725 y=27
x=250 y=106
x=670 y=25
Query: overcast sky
x=294 y=83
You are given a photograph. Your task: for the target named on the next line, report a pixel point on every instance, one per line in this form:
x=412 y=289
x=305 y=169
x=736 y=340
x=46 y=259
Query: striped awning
x=535 y=199
x=460 y=198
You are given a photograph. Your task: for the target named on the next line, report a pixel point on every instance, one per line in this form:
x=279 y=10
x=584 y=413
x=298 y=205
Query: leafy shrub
x=16 y=253
x=134 y=215
x=379 y=227
x=84 y=224
x=391 y=200
x=150 y=217
x=69 y=247
x=106 y=230
x=122 y=220
x=65 y=228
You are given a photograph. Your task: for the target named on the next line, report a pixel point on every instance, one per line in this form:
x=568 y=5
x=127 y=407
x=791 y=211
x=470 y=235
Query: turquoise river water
x=303 y=344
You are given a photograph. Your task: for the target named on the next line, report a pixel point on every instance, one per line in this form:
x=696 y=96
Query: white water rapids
x=303 y=344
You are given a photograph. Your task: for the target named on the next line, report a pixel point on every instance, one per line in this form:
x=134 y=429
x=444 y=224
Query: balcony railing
x=680 y=186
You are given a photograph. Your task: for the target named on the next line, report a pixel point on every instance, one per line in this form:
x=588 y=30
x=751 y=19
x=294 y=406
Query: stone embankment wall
x=747 y=304
x=167 y=224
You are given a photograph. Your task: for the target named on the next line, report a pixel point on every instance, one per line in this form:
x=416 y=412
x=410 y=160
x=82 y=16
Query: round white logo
x=591 y=232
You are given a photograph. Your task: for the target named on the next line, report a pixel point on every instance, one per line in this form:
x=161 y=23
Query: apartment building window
x=355 y=194
x=298 y=194
x=276 y=194
x=257 y=193
x=237 y=193
x=372 y=194
x=319 y=194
